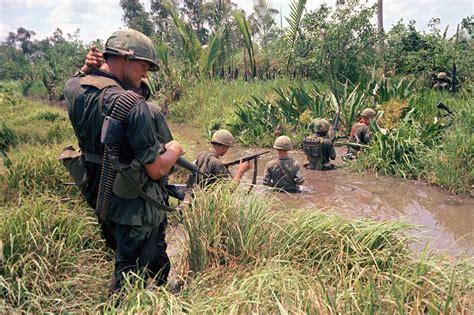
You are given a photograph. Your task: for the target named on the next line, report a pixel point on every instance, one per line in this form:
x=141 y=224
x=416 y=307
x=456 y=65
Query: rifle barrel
x=245 y=158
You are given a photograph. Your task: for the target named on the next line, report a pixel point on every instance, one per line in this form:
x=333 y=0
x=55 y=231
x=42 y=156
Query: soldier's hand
x=94 y=59
x=175 y=146
x=244 y=166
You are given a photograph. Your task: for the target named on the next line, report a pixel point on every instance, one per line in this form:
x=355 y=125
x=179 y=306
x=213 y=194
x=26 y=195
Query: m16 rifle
x=245 y=158
x=253 y=157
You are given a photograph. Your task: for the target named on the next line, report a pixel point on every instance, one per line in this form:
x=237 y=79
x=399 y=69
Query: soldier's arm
x=267 y=179
x=299 y=179
x=330 y=148
x=367 y=135
x=148 y=150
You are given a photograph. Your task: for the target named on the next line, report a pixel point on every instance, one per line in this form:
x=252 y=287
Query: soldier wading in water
x=210 y=164
x=318 y=147
x=283 y=173
x=134 y=155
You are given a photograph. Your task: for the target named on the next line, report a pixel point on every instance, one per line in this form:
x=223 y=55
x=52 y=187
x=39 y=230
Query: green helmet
x=442 y=75
x=319 y=125
x=132 y=44
x=282 y=143
x=223 y=137
x=368 y=113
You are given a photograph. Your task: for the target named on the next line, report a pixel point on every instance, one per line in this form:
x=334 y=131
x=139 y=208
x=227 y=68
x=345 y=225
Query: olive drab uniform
x=283 y=173
x=319 y=150
x=210 y=164
x=361 y=134
x=133 y=227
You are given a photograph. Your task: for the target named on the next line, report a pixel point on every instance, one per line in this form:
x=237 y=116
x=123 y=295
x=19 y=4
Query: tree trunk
x=380 y=15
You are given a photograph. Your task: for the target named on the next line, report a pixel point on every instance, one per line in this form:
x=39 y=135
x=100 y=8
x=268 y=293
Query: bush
x=8 y=138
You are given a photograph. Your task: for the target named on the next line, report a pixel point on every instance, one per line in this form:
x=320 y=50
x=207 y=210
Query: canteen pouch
x=74 y=161
x=129 y=180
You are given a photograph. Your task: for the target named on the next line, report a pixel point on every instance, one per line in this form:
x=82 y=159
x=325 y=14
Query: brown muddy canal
x=446 y=221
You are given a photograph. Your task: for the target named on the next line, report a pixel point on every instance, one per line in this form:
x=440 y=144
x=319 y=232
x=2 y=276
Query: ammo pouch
x=311 y=147
x=129 y=183
x=122 y=187
x=75 y=162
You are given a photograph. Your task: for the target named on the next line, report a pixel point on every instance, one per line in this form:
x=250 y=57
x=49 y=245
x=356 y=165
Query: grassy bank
x=237 y=256
x=206 y=102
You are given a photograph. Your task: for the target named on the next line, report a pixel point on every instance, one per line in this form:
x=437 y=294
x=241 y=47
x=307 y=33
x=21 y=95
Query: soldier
x=360 y=131
x=210 y=164
x=319 y=148
x=283 y=173
x=442 y=83
x=135 y=228
x=95 y=59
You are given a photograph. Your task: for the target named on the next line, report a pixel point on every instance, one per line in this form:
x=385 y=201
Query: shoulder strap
x=98 y=81
x=284 y=172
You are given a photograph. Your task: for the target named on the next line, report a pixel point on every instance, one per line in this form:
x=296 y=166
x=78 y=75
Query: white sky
x=99 y=18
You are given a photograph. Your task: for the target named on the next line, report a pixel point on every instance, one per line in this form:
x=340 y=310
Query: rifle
x=336 y=122
x=255 y=168
x=453 y=79
x=245 y=158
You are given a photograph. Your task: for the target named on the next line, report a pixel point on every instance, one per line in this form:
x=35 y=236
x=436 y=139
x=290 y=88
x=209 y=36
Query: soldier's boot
x=328 y=166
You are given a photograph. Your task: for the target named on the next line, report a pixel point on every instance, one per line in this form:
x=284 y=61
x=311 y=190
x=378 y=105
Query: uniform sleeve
x=267 y=178
x=329 y=149
x=218 y=169
x=141 y=134
x=367 y=135
x=299 y=179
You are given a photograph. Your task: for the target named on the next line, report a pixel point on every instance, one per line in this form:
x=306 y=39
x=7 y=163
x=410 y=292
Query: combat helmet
x=368 y=113
x=441 y=75
x=132 y=44
x=282 y=143
x=223 y=137
x=319 y=125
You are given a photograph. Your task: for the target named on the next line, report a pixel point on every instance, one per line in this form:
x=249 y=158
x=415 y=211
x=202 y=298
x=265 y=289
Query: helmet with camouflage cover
x=319 y=125
x=441 y=75
x=223 y=137
x=132 y=44
x=368 y=113
x=282 y=143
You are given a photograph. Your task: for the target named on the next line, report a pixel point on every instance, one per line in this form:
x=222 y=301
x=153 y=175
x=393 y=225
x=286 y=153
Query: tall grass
x=426 y=142
x=52 y=256
x=238 y=256
x=35 y=170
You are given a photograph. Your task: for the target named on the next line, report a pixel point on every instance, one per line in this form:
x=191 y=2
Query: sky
x=99 y=18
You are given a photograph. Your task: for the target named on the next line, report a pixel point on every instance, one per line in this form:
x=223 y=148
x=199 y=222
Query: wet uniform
x=360 y=133
x=133 y=227
x=210 y=164
x=319 y=150
x=283 y=174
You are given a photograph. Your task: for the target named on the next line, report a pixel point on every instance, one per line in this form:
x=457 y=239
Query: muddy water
x=446 y=221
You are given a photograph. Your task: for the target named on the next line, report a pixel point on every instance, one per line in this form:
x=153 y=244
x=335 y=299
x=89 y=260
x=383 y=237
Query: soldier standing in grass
x=318 y=147
x=442 y=83
x=210 y=164
x=283 y=173
x=135 y=228
x=360 y=131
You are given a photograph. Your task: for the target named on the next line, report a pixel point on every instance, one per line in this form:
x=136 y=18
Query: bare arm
x=164 y=162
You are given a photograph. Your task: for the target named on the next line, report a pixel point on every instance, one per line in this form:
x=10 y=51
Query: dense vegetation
x=222 y=67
